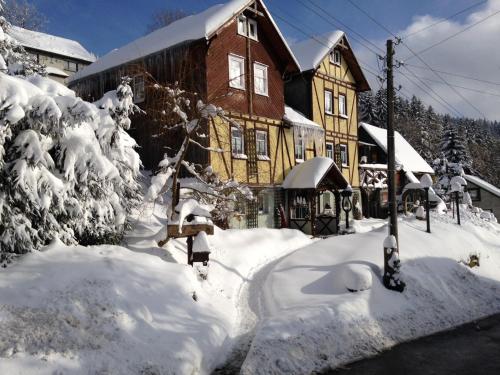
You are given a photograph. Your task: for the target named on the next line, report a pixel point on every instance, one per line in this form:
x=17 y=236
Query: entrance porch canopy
x=306 y=185
x=318 y=173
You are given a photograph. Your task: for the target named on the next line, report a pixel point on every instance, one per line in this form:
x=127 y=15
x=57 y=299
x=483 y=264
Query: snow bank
x=313 y=323
x=141 y=310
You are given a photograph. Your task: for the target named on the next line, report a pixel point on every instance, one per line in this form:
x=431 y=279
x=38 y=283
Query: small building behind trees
x=62 y=57
x=483 y=194
x=373 y=168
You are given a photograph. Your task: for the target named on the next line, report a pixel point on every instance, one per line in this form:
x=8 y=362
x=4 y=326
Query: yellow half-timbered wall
x=280 y=150
x=338 y=129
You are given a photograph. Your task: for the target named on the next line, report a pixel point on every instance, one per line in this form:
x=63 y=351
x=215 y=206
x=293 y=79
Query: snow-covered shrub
x=68 y=169
x=115 y=109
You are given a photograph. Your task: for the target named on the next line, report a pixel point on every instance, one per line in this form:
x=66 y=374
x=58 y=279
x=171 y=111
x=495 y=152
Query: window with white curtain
x=342 y=105
x=329 y=150
x=261 y=140
x=328 y=102
x=237 y=146
x=260 y=78
x=237 y=72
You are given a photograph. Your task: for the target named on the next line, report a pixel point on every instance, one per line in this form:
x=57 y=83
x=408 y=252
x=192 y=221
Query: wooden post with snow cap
x=392 y=265
x=426 y=183
x=391 y=249
x=457 y=183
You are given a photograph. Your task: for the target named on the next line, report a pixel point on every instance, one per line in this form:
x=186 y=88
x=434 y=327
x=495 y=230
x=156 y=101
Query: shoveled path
x=473 y=348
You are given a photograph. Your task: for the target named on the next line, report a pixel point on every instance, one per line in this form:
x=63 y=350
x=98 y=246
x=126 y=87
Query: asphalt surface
x=473 y=348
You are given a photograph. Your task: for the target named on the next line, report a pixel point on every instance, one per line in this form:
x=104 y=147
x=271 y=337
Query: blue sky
x=101 y=25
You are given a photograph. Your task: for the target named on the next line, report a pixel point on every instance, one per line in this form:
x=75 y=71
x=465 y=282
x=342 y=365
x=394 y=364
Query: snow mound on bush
x=357 y=277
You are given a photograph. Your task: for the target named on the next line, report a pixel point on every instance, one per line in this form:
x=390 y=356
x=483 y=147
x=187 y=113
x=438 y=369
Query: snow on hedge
x=312 y=322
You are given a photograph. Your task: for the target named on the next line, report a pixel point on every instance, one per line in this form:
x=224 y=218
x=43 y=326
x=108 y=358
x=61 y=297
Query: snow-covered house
x=483 y=194
x=62 y=57
x=326 y=92
x=234 y=56
x=410 y=167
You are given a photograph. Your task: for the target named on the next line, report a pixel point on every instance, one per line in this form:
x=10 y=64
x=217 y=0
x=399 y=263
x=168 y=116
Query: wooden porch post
x=312 y=205
x=336 y=194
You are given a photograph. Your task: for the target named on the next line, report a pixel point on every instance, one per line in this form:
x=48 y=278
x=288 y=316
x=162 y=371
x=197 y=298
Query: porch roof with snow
x=311 y=52
x=314 y=172
x=483 y=184
x=203 y=25
x=406 y=156
x=296 y=118
x=51 y=43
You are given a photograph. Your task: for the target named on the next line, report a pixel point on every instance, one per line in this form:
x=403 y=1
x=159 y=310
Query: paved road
x=468 y=350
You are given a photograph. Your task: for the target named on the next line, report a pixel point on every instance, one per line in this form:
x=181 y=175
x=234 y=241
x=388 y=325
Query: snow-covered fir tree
x=117 y=144
x=453 y=145
x=423 y=128
x=67 y=168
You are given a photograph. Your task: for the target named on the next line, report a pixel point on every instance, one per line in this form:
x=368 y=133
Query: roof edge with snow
x=203 y=25
x=483 y=184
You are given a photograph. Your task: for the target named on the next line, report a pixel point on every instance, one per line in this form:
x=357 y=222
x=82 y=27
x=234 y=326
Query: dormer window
x=247 y=27
x=335 y=57
x=242 y=25
x=252 y=29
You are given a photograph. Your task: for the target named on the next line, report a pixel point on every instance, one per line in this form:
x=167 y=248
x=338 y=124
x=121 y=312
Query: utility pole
x=391 y=165
x=391 y=243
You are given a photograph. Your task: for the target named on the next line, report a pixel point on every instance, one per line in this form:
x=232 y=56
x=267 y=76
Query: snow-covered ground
x=312 y=322
x=137 y=309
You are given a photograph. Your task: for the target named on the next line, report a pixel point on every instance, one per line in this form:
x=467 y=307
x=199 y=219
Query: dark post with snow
x=391 y=164
x=391 y=247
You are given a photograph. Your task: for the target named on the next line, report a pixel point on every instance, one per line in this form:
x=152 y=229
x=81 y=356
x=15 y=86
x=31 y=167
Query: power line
x=455 y=74
x=435 y=96
x=440 y=99
x=455 y=34
x=445 y=19
x=321 y=13
x=462 y=87
x=420 y=58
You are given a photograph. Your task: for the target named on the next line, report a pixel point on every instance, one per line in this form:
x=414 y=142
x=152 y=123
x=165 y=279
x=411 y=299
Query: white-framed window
x=237 y=146
x=71 y=66
x=342 y=105
x=247 y=27
x=261 y=142
x=300 y=152
x=242 y=25
x=344 y=156
x=138 y=88
x=329 y=150
x=328 y=102
x=237 y=72
x=252 y=29
x=260 y=80
x=335 y=57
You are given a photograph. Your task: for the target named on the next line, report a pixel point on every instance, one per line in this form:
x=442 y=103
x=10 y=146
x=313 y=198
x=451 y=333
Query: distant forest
x=476 y=143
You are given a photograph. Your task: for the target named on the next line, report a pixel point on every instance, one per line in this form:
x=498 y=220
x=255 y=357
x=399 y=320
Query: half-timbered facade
x=326 y=91
x=235 y=57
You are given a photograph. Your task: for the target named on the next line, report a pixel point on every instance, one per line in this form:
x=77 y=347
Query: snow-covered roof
x=405 y=154
x=297 y=118
x=308 y=175
x=50 y=43
x=190 y=28
x=311 y=52
x=483 y=184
